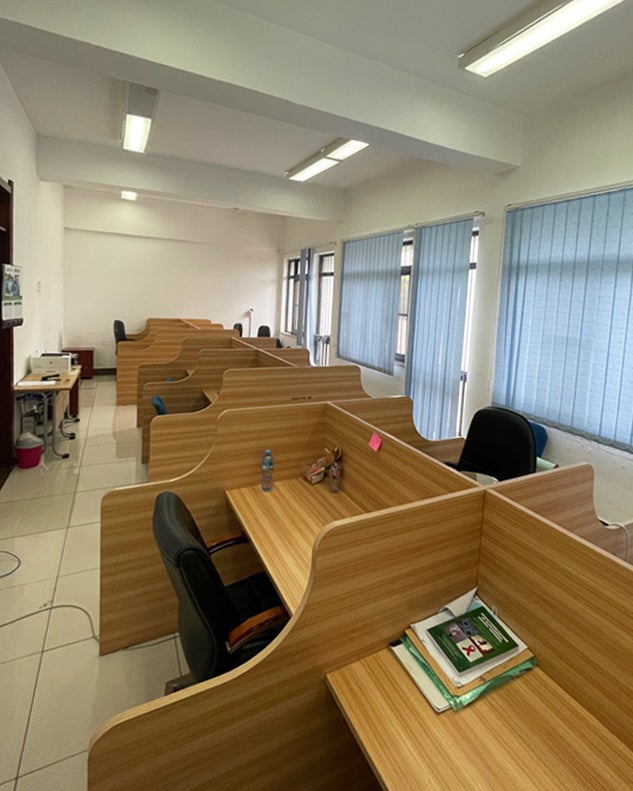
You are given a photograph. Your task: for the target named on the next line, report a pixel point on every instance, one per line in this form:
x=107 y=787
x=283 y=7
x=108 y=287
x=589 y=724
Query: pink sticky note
x=375 y=442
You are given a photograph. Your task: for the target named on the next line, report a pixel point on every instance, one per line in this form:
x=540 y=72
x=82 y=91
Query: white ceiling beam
x=90 y=165
x=213 y=52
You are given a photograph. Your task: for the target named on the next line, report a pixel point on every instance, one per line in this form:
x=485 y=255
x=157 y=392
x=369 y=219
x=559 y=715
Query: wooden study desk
x=57 y=393
x=528 y=734
x=283 y=525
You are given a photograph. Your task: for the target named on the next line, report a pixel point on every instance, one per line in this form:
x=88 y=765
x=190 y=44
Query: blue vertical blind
x=565 y=336
x=436 y=325
x=370 y=286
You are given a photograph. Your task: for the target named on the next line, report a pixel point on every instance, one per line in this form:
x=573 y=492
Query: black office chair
x=263 y=331
x=159 y=405
x=221 y=626
x=119 y=332
x=238 y=327
x=499 y=443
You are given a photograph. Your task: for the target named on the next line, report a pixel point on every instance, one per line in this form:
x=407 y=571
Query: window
x=565 y=335
x=468 y=320
x=406 y=260
x=291 y=295
x=325 y=293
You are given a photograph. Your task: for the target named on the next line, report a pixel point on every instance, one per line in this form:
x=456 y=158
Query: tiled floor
x=55 y=689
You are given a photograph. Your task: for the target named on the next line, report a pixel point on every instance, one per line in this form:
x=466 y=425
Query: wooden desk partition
x=195 y=391
x=177 y=443
x=395 y=416
x=184 y=362
x=161 y=345
x=186 y=395
x=566 y=498
x=271 y=723
x=297 y=434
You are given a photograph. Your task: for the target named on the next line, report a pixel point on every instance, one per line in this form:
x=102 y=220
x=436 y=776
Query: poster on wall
x=11 y=294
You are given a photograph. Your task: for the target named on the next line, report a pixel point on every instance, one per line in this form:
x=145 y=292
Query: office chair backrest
x=205 y=612
x=119 y=331
x=263 y=331
x=238 y=327
x=159 y=405
x=540 y=437
x=500 y=443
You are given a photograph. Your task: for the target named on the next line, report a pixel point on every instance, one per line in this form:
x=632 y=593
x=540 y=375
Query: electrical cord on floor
x=15 y=557
x=60 y=606
x=55 y=607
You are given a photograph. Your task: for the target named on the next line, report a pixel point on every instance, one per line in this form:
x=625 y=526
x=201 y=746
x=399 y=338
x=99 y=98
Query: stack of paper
x=461 y=652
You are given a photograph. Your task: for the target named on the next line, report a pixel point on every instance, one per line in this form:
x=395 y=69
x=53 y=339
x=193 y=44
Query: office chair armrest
x=223 y=542
x=252 y=627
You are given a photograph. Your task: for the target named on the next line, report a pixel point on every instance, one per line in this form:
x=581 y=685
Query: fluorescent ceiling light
x=129 y=195
x=136 y=133
x=543 y=23
x=140 y=104
x=309 y=171
x=346 y=149
x=325 y=159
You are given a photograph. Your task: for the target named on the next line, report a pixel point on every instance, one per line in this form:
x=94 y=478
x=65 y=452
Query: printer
x=51 y=363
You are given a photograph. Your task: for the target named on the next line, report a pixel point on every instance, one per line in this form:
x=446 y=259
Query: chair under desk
x=282 y=526
x=565 y=724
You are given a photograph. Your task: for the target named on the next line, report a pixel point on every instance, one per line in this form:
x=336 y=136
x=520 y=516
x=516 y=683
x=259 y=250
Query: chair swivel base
x=176 y=684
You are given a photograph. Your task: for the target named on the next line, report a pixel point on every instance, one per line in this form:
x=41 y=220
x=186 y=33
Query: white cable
x=55 y=607
x=13 y=570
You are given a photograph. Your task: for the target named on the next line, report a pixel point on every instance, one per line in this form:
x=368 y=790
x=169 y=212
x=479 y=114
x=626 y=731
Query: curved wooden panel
x=130 y=354
x=565 y=496
x=179 y=444
x=271 y=723
x=297 y=434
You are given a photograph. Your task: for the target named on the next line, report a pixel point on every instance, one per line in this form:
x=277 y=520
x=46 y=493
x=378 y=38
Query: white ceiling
x=231 y=87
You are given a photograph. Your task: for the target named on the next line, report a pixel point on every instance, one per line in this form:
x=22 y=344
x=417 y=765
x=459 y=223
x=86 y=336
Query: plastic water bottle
x=267 y=471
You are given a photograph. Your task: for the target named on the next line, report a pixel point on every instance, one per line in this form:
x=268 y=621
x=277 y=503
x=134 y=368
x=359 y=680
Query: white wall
x=131 y=260
x=583 y=146
x=37 y=233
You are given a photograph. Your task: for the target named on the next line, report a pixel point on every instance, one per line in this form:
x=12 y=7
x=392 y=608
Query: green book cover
x=471 y=639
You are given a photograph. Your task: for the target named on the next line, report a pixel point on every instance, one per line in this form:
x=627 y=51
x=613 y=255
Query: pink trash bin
x=28 y=450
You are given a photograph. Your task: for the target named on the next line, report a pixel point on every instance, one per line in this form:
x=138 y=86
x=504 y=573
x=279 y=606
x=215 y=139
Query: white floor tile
x=69 y=625
x=102 y=435
x=87 y=507
x=38 y=515
x=102 y=476
x=78 y=690
x=102 y=415
x=26 y=484
x=182 y=662
x=81 y=550
x=110 y=453
x=17 y=682
x=27 y=636
x=71 y=774
x=40 y=555
x=74 y=448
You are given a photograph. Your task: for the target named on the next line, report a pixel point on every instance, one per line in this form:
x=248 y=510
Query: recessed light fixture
x=325 y=159
x=140 y=105
x=129 y=195
x=542 y=23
